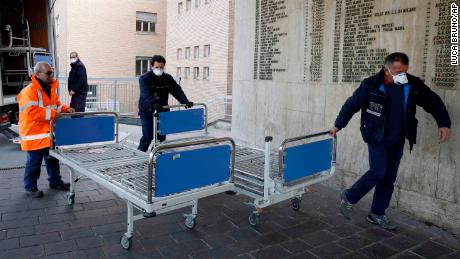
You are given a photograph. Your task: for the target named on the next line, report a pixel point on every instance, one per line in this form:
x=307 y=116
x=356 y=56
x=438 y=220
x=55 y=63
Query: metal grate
x=249 y=169
x=123 y=166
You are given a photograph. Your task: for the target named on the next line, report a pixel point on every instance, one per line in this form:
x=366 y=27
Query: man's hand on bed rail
x=69 y=110
x=333 y=131
x=188 y=105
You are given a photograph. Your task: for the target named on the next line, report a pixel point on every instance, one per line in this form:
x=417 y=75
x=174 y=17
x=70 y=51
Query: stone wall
x=296 y=62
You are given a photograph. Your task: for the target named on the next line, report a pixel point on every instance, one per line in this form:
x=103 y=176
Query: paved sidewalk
x=93 y=226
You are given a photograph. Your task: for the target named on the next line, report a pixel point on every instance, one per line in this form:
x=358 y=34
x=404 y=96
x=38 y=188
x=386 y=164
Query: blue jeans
x=147 y=132
x=33 y=168
x=384 y=164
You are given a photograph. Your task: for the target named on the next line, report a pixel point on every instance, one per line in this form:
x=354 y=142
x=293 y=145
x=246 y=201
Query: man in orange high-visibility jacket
x=38 y=105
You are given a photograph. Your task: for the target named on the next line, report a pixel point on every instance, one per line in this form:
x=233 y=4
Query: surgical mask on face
x=157 y=71
x=399 y=79
x=73 y=60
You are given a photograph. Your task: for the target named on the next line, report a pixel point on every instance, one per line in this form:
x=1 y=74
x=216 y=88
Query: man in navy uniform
x=387 y=102
x=155 y=87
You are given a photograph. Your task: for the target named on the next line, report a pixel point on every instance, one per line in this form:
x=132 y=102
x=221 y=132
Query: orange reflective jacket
x=36 y=110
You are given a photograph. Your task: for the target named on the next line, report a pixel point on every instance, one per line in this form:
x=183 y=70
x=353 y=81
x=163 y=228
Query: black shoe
x=346 y=208
x=62 y=186
x=34 y=193
x=382 y=221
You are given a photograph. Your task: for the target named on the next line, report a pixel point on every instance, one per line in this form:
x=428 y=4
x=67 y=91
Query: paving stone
x=11 y=216
x=354 y=242
x=295 y=246
x=77 y=233
x=303 y=255
x=378 y=251
x=431 y=249
x=19 y=232
x=3 y=234
x=271 y=252
x=244 y=234
x=408 y=255
x=319 y=238
x=91 y=253
x=220 y=252
x=8 y=244
x=40 y=239
x=305 y=228
x=272 y=239
x=108 y=228
x=56 y=218
x=24 y=252
x=19 y=223
x=331 y=250
x=345 y=230
x=354 y=255
x=376 y=234
x=60 y=247
x=89 y=242
x=454 y=255
x=400 y=243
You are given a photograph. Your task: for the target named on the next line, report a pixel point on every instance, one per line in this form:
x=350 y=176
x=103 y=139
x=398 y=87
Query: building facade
x=113 y=38
x=199 y=46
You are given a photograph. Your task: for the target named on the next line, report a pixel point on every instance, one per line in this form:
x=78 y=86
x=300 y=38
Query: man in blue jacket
x=77 y=83
x=155 y=87
x=387 y=102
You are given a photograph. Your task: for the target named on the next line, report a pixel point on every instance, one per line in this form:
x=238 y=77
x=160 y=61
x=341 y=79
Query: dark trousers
x=384 y=164
x=33 y=168
x=78 y=102
x=147 y=132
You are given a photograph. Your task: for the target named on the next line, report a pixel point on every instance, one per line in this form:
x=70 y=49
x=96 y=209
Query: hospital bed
x=168 y=177
x=272 y=176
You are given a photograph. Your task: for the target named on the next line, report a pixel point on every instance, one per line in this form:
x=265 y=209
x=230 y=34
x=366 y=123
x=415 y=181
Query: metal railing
x=122 y=95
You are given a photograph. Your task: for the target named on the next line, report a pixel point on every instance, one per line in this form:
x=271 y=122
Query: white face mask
x=399 y=79
x=73 y=60
x=157 y=72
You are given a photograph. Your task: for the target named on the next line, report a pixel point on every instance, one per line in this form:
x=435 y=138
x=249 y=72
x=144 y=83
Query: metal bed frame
x=260 y=174
x=131 y=174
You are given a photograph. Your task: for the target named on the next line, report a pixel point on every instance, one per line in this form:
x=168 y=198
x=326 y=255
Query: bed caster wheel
x=149 y=215
x=254 y=219
x=125 y=242
x=190 y=222
x=295 y=204
x=70 y=199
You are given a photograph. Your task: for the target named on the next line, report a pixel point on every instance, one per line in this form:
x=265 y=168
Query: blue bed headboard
x=172 y=122
x=181 y=171
x=307 y=159
x=84 y=130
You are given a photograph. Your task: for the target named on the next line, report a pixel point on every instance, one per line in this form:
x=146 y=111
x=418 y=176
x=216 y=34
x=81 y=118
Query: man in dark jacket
x=155 y=87
x=77 y=83
x=387 y=102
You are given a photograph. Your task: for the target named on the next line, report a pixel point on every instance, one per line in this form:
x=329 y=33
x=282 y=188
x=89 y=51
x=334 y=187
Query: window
x=206 y=73
x=179 y=54
x=179 y=8
x=187 y=53
x=197 y=52
x=187 y=73
x=142 y=65
x=188 y=5
x=197 y=3
x=207 y=50
x=196 y=73
x=145 y=22
x=178 y=72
